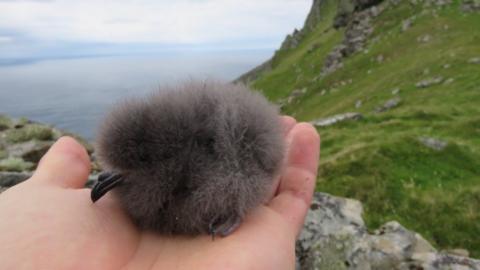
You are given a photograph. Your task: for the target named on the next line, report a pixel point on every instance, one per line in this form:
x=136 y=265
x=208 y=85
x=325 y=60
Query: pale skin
x=49 y=221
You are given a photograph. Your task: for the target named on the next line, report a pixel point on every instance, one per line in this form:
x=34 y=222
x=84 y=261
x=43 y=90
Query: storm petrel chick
x=192 y=159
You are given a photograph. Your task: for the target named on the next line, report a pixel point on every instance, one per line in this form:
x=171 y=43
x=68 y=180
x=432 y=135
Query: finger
x=298 y=179
x=66 y=164
x=288 y=123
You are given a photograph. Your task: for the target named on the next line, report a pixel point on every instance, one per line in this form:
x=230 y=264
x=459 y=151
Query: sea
x=74 y=94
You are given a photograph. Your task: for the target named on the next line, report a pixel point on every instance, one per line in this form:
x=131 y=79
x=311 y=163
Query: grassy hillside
x=380 y=159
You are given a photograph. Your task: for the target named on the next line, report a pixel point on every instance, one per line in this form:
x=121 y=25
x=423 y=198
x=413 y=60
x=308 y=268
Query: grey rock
x=298 y=92
x=366 y=3
x=407 y=24
x=31 y=151
x=438 y=3
x=293 y=40
x=395 y=2
x=333 y=60
x=395 y=91
x=335 y=237
x=458 y=252
x=446 y=66
x=449 y=81
x=92 y=179
x=389 y=104
x=295 y=94
x=380 y=58
x=9 y=179
x=470 y=6
x=358 y=104
x=429 y=82
x=325 y=122
x=474 y=60
x=433 y=143
x=424 y=39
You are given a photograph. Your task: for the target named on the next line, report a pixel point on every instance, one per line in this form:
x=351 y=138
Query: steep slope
x=412 y=70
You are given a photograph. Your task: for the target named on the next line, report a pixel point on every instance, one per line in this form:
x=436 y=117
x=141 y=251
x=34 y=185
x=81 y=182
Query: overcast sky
x=42 y=28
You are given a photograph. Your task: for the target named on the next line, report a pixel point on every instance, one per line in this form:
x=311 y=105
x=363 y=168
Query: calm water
x=74 y=94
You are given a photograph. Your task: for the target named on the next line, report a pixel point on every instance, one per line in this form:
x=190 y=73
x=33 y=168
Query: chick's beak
x=106 y=182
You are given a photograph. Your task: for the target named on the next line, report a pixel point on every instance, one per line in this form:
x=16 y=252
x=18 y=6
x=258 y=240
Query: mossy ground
x=5 y=122
x=29 y=132
x=379 y=160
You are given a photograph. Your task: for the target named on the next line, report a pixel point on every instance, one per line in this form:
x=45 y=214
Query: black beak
x=106 y=182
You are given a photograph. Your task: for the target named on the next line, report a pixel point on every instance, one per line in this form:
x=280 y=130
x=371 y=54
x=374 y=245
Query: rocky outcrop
x=293 y=40
x=22 y=144
x=470 y=5
x=313 y=19
x=335 y=237
x=359 y=28
x=290 y=42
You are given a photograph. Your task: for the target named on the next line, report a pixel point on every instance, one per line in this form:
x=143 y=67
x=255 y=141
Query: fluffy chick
x=195 y=158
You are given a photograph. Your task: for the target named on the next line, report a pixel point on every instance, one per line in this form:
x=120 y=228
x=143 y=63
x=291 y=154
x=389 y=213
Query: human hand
x=49 y=222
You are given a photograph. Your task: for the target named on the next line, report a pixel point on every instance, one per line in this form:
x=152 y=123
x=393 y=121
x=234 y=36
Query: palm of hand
x=48 y=222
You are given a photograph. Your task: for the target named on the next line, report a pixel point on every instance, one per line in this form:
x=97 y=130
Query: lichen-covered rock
x=292 y=41
x=335 y=237
x=389 y=104
x=31 y=151
x=21 y=122
x=29 y=132
x=23 y=143
x=474 y=60
x=433 y=143
x=15 y=165
x=430 y=82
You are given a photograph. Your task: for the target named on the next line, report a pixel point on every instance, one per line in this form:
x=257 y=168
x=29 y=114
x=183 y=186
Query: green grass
x=379 y=159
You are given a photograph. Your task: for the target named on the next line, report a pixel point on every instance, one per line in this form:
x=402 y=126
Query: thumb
x=66 y=164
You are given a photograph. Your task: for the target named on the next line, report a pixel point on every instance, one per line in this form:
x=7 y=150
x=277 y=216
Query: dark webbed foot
x=106 y=182
x=224 y=226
